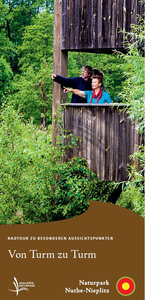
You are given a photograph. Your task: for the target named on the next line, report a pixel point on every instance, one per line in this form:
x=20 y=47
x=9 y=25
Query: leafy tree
x=33 y=87
x=16 y=16
x=28 y=97
x=37 y=43
x=7 y=48
x=6 y=75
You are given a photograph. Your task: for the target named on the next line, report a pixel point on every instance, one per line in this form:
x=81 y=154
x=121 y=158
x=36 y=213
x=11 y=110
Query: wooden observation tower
x=108 y=137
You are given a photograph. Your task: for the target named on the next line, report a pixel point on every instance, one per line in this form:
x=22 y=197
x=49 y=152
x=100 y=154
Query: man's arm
x=75 y=91
x=63 y=81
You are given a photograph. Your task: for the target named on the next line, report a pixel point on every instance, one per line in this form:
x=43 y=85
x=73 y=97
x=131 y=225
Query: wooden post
x=59 y=65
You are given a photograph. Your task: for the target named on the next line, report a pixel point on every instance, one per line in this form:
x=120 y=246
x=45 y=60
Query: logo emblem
x=17 y=288
x=125 y=286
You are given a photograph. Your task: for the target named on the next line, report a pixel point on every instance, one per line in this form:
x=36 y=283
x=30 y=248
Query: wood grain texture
x=108 y=138
x=97 y=24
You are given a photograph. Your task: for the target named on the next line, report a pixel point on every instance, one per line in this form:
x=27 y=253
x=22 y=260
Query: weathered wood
x=59 y=64
x=108 y=138
x=96 y=24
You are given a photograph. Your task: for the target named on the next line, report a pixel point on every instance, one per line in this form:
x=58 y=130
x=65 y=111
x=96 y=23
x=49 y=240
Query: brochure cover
x=97 y=255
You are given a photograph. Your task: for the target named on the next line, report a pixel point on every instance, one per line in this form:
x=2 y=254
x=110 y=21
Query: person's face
x=95 y=83
x=85 y=73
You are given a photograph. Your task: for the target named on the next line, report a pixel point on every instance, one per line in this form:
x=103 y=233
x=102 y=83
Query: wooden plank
x=89 y=25
x=128 y=15
x=124 y=21
x=127 y=143
x=77 y=27
x=113 y=25
x=124 y=169
x=134 y=11
x=104 y=23
x=84 y=141
x=95 y=27
x=88 y=136
x=80 y=132
x=102 y=144
x=94 y=157
x=72 y=24
x=100 y=16
x=59 y=65
x=111 y=146
x=116 y=144
x=109 y=16
x=98 y=140
x=107 y=143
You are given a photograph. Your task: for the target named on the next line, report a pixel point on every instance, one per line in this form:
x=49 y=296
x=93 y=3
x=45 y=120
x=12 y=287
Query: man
x=82 y=83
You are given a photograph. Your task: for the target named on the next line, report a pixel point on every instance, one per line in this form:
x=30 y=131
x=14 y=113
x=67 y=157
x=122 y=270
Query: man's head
x=86 y=72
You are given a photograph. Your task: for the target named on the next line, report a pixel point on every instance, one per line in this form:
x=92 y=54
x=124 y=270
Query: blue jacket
x=104 y=99
x=76 y=83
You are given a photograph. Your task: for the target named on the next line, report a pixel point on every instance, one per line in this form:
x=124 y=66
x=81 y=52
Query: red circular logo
x=125 y=286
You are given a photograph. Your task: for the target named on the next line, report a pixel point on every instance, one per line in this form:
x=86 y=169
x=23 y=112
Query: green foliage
x=28 y=98
x=36 y=62
x=132 y=198
x=133 y=68
x=133 y=93
x=16 y=16
x=6 y=75
x=36 y=185
x=7 y=49
x=37 y=42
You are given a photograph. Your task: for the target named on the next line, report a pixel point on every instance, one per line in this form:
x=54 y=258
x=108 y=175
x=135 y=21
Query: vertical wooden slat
x=59 y=64
x=100 y=39
x=95 y=27
x=117 y=144
x=98 y=142
x=133 y=12
x=72 y=24
x=104 y=23
x=102 y=143
x=96 y=139
x=124 y=21
x=111 y=146
x=84 y=142
x=80 y=133
x=114 y=145
x=107 y=143
x=89 y=23
x=113 y=25
x=94 y=161
x=109 y=23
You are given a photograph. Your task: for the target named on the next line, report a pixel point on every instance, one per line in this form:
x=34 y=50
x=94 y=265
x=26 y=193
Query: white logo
x=18 y=289
x=21 y=286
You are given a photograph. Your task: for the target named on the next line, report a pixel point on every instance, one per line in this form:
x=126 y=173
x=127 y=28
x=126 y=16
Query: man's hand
x=53 y=76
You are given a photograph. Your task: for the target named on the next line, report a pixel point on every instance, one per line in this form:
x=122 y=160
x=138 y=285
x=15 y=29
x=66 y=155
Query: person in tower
x=96 y=96
x=81 y=83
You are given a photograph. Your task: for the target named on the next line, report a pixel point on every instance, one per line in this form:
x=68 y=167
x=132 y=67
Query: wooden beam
x=60 y=59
